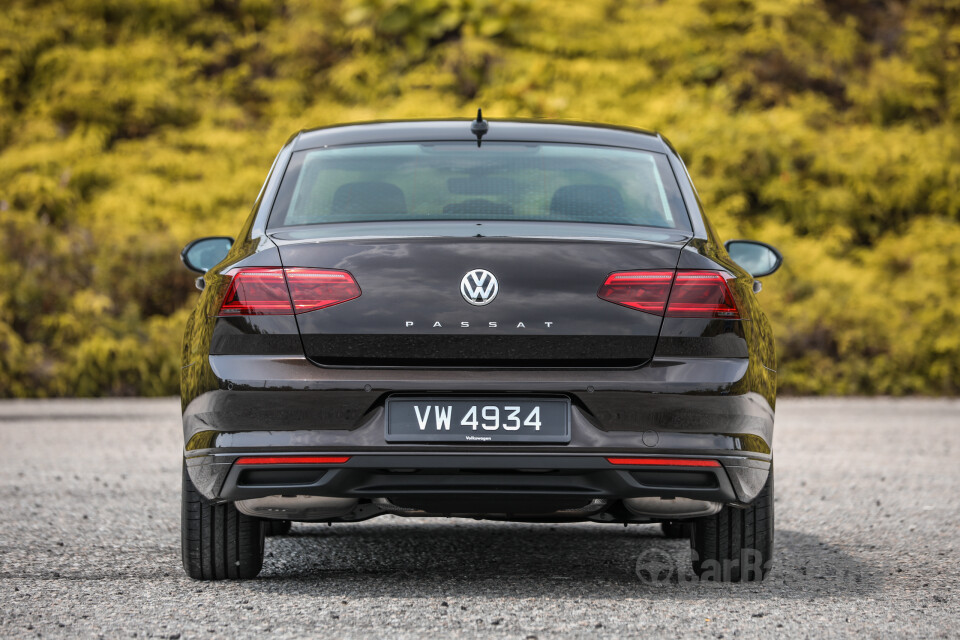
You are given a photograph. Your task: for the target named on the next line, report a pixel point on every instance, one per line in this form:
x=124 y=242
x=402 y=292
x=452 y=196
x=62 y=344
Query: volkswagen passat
x=506 y=320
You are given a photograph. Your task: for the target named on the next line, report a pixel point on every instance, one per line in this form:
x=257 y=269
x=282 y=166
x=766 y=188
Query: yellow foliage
x=129 y=127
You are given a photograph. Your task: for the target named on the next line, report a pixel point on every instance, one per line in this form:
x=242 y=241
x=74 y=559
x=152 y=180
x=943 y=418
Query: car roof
x=458 y=130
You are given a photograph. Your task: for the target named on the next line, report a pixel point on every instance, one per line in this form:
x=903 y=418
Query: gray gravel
x=868 y=497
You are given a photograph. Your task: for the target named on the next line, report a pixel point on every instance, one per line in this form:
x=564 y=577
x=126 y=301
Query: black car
x=508 y=320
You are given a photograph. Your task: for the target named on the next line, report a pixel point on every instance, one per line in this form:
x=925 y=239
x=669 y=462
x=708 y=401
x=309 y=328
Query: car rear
x=534 y=326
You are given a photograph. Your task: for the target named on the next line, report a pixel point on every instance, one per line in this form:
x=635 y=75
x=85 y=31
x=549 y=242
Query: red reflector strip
x=294 y=460
x=665 y=462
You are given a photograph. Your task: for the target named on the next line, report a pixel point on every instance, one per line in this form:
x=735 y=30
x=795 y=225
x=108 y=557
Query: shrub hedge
x=129 y=127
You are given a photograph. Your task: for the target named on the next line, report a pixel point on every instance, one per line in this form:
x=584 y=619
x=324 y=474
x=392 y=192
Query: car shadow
x=407 y=558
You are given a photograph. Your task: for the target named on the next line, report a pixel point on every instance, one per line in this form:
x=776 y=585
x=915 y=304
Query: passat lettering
x=493 y=324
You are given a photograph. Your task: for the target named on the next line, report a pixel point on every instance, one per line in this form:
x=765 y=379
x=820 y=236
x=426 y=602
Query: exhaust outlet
x=669 y=508
x=302 y=508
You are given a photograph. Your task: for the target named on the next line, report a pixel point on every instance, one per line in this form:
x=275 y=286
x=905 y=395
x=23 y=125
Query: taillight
x=701 y=294
x=313 y=289
x=258 y=291
x=644 y=290
x=681 y=294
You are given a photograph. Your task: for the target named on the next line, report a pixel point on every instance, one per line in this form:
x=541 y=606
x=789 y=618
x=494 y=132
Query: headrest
x=367 y=199
x=588 y=203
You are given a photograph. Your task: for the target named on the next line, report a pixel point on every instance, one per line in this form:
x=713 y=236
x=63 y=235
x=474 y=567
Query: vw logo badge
x=479 y=287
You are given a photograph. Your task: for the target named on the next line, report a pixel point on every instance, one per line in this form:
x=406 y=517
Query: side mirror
x=202 y=254
x=758 y=258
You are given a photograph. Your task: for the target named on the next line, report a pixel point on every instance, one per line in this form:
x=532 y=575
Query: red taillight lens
x=315 y=289
x=293 y=460
x=701 y=294
x=644 y=290
x=664 y=462
x=681 y=294
x=258 y=291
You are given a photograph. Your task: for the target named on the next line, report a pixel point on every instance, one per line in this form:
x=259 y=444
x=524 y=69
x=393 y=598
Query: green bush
x=129 y=127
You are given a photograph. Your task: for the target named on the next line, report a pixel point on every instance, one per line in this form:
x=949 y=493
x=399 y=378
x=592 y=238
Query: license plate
x=478 y=420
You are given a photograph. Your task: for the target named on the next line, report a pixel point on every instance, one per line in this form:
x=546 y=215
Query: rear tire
x=735 y=545
x=276 y=527
x=217 y=541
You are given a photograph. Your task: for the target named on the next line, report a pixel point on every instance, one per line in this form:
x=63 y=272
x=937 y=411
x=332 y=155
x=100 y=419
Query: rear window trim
x=297 y=154
x=684 y=235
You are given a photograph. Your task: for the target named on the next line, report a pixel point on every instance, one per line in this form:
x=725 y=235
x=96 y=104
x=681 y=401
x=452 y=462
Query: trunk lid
x=545 y=313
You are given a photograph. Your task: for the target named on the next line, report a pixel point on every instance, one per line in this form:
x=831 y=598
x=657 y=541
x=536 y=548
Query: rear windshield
x=498 y=181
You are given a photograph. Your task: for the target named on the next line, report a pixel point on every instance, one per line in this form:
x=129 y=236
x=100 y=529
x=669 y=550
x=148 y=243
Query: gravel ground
x=868 y=497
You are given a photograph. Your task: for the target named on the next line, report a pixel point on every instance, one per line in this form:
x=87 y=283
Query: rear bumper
x=394 y=475
x=267 y=405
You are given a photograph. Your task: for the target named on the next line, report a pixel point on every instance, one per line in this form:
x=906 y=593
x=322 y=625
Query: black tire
x=217 y=541
x=276 y=527
x=675 y=530
x=736 y=545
